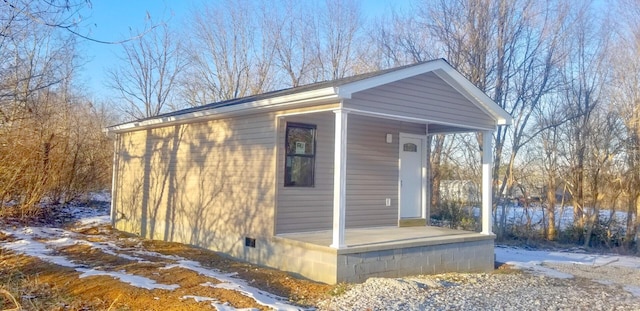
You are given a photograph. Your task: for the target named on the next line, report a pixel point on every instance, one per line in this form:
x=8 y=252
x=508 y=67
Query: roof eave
x=443 y=70
x=475 y=95
x=308 y=97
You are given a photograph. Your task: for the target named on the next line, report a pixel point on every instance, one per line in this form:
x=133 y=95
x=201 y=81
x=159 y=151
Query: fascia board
x=320 y=95
x=475 y=95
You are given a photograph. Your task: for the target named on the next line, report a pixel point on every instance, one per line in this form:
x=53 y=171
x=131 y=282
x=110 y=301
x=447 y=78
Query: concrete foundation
x=381 y=255
x=476 y=256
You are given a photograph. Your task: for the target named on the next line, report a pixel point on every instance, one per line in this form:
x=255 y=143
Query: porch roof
x=324 y=92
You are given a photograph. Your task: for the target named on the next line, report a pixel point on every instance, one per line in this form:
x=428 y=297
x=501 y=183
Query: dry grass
x=20 y=281
x=503 y=268
x=38 y=285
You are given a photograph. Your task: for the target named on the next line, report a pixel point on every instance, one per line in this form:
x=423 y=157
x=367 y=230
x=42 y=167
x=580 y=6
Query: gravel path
x=497 y=291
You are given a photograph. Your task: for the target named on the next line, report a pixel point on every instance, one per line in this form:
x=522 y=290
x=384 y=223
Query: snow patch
x=215 y=303
x=93 y=221
x=28 y=243
x=226 y=307
x=38 y=250
x=229 y=282
x=40 y=242
x=518 y=256
x=133 y=280
x=534 y=261
x=101 y=196
x=634 y=290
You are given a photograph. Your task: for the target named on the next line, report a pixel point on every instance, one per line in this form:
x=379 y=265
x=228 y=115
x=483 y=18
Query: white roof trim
x=320 y=95
x=474 y=94
x=443 y=70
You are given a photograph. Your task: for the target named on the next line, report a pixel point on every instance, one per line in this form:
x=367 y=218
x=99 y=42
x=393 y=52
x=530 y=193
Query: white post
x=426 y=177
x=487 y=190
x=339 y=178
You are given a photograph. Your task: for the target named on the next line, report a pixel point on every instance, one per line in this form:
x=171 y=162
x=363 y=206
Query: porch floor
x=381 y=238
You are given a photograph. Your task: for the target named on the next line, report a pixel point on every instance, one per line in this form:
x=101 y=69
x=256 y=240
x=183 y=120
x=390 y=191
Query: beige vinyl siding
x=372 y=170
x=424 y=96
x=198 y=183
x=307 y=208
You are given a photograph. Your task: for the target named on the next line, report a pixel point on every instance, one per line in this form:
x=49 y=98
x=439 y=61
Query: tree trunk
x=436 y=176
x=594 y=220
x=632 y=205
x=551 y=208
x=578 y=171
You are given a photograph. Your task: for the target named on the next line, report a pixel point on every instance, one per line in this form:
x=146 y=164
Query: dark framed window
x=409 y=147
x=300 y=155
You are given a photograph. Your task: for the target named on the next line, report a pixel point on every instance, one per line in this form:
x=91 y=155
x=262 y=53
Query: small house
x=465 y=192
x=327 y=181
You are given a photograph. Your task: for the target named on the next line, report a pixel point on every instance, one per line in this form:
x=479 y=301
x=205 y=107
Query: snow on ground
x=563 y=216
x=102 y=196
x=89 y=216
x=602 y=268
x=32 y=241
x=42 y=243
x=94 y=221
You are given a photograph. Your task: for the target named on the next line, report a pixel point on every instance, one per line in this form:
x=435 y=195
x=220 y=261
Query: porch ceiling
x=434 y=128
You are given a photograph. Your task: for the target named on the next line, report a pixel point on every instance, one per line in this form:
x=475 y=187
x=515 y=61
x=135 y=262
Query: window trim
x=287 y=182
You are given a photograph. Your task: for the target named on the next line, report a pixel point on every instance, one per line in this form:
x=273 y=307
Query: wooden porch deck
x=383 y=238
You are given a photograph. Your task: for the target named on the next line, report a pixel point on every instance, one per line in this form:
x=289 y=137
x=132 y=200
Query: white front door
x=411 y=157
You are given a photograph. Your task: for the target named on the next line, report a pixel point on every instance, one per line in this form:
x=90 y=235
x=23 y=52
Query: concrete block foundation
x=392 y=256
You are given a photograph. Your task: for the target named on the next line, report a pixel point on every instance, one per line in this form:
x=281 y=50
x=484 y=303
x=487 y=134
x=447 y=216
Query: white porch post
x=487 y=190
x=339 y=178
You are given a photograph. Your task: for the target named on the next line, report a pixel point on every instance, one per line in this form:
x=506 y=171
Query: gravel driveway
x=592 y=288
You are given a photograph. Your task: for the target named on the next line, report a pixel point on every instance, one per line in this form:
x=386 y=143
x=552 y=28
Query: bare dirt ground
x=38 y=284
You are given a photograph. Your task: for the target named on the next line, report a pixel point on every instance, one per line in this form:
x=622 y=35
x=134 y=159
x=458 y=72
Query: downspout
x=114 y=172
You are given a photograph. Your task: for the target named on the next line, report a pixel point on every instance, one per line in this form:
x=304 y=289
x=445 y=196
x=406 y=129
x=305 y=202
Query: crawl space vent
x=250 y=242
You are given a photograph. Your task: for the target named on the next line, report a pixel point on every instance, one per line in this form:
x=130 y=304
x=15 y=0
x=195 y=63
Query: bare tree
x=51 y=140
x=147 y=79
x=626 y=98
x=508 y=49
x=227 y=60
x=550 y=118
x=292 y=28
x=401 y=40
x=605 y=144
x=584 y=77
x=337 y=46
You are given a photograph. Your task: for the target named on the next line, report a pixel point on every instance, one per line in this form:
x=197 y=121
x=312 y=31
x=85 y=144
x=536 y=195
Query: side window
x=300 y=155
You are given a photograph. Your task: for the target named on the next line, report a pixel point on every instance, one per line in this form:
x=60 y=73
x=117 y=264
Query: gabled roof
x=328 y=90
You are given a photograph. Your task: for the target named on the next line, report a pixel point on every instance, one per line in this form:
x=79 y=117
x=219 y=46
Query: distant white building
x=462 y=191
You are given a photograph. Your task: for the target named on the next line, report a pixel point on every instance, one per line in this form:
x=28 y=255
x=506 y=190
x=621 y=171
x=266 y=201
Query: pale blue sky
x=112 y=20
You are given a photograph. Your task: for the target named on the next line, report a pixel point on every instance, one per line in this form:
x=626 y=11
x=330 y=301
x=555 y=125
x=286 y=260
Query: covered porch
x=385 y=252
x=351 y=251
x=412 y=211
